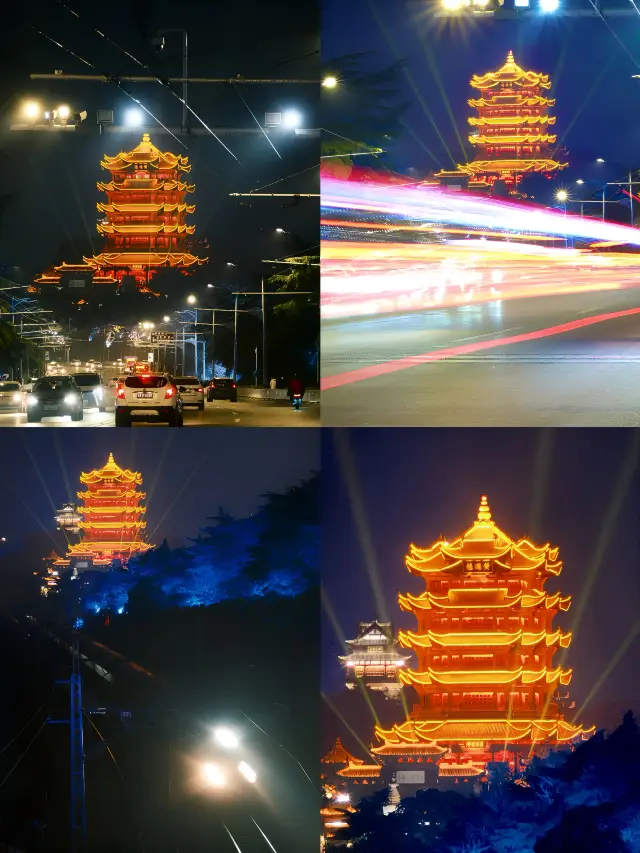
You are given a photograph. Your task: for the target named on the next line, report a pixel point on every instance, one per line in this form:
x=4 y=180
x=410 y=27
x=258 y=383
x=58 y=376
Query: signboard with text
x=162 y=338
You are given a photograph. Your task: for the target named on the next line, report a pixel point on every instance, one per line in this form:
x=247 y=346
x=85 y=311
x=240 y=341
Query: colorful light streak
x=444 y=249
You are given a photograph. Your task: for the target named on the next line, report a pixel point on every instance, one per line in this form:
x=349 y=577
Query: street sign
x=47 y=356
x=150 y=357
x=163 y=338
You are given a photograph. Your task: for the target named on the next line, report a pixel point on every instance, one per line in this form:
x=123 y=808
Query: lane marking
x=374 y=370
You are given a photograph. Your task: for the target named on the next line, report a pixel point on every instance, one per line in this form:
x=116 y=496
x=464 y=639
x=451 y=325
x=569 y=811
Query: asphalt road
x=494 y=364
x=246 y=412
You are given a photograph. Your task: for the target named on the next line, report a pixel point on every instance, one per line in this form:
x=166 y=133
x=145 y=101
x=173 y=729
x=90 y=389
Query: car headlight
x=97 y=392
x=70 y=399
x=31 y=400
x=17 y=398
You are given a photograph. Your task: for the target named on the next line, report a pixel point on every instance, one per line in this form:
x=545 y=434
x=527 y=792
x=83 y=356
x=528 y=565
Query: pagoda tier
x=113 y=520
x=484 y=646
x=511 y=131
x=374 y=659
x=144 y=220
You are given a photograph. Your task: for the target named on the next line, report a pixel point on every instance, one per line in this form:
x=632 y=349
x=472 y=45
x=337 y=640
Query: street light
x=562 y=195
x=291 y=119
x=166 y=319
x=579 y=181
x=133 y=118
x=548 y=6
x=229 y=264
x=211 y=285
x=63 y=112
x=31 y=109
x=226 y=737
x=279 y=230
x=330 y=82
x=191 y=299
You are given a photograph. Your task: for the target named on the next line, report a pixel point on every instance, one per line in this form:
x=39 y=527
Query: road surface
x=545 y=361
x=246 y=412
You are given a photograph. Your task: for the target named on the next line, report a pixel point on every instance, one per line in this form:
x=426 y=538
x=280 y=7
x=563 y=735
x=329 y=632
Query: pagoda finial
x=111 y=460
x=146 y=137
x=510 y=59
x=484 y=511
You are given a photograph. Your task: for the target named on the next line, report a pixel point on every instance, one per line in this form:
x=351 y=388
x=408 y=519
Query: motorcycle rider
x=296 y=386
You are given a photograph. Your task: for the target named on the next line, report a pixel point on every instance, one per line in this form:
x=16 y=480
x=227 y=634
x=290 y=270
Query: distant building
x=374 y=659
x=50 y=575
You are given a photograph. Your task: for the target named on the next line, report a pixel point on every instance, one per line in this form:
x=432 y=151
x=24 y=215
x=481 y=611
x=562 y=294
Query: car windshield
x=143 y=380
x=54 y=384
x=223 y=381
x=86 y=380
x=9 y=386
x=187 y=380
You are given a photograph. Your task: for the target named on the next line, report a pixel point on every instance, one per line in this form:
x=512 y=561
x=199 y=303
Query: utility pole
x=76 y=739
x=265 y=380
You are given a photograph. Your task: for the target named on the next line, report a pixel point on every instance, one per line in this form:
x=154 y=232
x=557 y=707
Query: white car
x=191 y=391
x=12 y=396
x=147 y=397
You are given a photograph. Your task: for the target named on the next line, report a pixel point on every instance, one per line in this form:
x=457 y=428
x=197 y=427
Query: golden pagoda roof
x=109 y=510
x=461 y=770
x=146 y=259
x=512 y=74
x=429 y=748
x=111 y=471
x=145 y=228
x=118 y=547
x=133 y=207
x=491 y=676
x=146 y=153
x=512 y=165
x=509 y=121
x=513 y=139
x=481 y=599
x=339 y=755
x=149 y=185
x=368 y=771
x=481 y=545
x=409 y=639
x=119 y=495
x=512 y=100
x=417 y=732
x=112 y=525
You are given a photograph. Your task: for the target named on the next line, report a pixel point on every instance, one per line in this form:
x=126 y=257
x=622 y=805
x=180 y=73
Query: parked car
x=54 y=395
x=146 y=397
x=222 y=389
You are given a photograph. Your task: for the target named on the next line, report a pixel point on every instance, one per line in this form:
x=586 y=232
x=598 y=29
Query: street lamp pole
x=264 y=338
x=235 y=340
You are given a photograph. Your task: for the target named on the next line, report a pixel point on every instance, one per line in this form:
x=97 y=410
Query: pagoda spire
x=484 y=511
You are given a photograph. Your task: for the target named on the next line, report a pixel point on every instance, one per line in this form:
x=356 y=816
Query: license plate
x=51 y=408
x=145 y=395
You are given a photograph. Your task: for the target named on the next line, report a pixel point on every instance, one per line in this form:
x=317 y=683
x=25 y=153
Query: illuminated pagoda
x=511 y=131
x=143 y=223
x=486 y=685
x=374 y=659
x=68 y=518
x=355 y=770
x=112 y=529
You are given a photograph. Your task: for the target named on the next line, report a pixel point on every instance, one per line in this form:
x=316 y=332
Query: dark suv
x=52 y=396
x=222 y=389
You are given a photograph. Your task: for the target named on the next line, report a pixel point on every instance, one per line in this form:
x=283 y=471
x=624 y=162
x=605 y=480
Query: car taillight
x=121 y=393
x=234 y=385
x=169 y=392
x=200 y=390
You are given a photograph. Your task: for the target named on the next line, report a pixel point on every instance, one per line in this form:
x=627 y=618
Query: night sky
x=590 y=63
x=50 y=178
x=418 y=484
x=185 y=481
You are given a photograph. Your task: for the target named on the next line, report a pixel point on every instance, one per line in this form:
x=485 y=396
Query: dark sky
x=419 y=484
x=590 y=63
x=185 y=481
x=52 y=178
